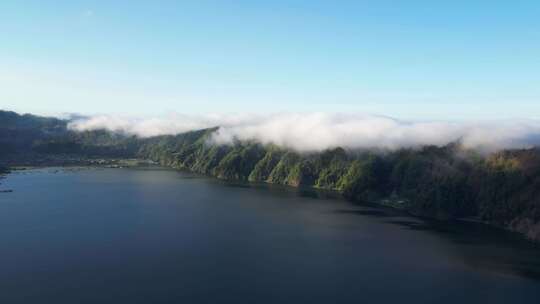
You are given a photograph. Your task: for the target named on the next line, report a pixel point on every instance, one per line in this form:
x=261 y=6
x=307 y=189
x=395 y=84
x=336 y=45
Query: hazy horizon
x=307 y=74
x=414 y=60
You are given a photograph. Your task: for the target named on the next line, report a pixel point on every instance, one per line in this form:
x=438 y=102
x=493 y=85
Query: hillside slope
x=438 y=182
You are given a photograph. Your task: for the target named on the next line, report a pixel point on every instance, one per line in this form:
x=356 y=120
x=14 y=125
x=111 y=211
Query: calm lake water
x=160 y=236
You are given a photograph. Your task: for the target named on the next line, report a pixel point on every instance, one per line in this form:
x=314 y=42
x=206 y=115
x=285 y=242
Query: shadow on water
x=300 y=191
x=478 y=246
x=367 y=212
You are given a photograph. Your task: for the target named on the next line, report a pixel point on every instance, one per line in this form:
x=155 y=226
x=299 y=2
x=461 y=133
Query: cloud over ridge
x=319 y=131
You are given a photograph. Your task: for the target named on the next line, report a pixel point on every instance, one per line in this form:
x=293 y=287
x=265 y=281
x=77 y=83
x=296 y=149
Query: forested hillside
x=439 y=182
x=24 y=137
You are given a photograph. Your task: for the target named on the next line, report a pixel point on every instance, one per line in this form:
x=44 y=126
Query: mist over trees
x=442 y=182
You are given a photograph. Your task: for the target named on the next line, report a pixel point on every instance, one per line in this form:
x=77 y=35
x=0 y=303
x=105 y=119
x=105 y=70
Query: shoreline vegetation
x=63 y=161
x=445 y=183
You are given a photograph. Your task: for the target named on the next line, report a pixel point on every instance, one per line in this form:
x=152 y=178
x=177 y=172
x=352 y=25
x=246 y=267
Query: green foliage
x=365 y=179
x=302 y=173
x=509 y=190
x=280 y=173
x=262 y=170
x=239 y=162
x=26 y=134
x=209 y=158
x=441 y=182
x=435 y=180
x=19 y=132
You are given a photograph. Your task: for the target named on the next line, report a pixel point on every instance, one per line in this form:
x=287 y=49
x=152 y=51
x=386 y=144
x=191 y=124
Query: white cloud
x=319 y=131
x=152 y=126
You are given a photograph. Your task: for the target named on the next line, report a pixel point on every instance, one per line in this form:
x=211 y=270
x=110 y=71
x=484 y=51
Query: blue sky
x=409 y=59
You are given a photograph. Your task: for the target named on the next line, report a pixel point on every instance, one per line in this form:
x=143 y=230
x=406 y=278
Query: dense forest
x=24 y=137
x=445 y=183
x=438 y=182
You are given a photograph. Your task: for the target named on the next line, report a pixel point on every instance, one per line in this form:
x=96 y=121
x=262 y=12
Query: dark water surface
x=160 y=236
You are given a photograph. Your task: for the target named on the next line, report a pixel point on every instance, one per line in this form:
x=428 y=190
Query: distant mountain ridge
x=21 y=135
x=447 y=182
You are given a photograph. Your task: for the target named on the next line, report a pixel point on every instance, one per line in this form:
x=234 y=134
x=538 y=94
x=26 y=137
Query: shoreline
x=384 y=203
x=391 y=203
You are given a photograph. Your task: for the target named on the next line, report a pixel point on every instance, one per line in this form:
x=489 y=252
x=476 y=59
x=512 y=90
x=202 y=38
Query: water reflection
x=364 y=212
x=126 y=236
x=478 y=246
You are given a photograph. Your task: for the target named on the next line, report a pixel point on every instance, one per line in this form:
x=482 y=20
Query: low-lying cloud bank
x=319 y=131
